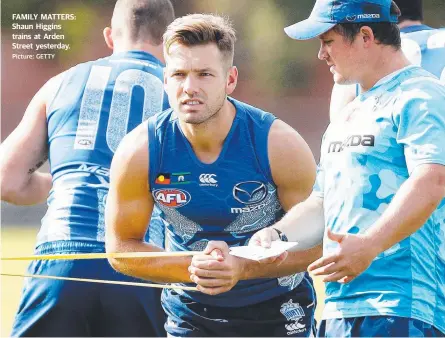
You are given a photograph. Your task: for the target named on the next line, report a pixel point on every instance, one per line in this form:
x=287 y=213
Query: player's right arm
x=128 y=212
x=25 y=150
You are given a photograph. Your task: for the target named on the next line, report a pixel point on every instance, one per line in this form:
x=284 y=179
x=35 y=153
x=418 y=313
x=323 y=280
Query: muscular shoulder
x=130 y=162
x=282 y=138
x=291 y=160
x=50 y=88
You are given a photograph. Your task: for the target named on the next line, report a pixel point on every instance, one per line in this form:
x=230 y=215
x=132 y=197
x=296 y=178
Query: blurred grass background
x=19 y=241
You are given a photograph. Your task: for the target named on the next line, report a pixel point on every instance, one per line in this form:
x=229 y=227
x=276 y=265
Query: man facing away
x=381 y=180
x=77 y=120
x=422 y=45
x=219 y=170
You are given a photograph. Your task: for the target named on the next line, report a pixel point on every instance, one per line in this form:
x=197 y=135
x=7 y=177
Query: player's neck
x=207 y=139
x=156 y=51
x=409 y=23
x=389 y=61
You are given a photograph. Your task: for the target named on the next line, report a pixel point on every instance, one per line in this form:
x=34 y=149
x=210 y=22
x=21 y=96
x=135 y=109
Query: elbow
x=431 y=180
x=441 y=185
x=10 y=191
x=111 y=246
x=115 y=264
x=435 y=186
x=308 y=189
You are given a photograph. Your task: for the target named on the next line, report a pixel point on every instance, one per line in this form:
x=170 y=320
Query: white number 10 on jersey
x=119 y=115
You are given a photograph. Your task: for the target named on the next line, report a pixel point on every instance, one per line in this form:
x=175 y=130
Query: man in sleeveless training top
x=219 y=170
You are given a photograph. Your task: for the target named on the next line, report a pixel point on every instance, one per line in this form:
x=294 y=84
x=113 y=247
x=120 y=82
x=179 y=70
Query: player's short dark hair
x=411 y=10
x=386 y=33
x=144 y=19
x=200 y=29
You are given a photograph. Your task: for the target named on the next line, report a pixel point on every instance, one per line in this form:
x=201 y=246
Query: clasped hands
x=216 y=271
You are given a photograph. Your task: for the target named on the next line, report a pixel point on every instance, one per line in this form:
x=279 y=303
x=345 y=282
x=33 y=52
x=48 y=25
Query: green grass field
x=17 y=241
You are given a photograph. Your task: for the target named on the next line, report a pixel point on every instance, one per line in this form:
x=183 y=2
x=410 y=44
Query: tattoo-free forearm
x=297 y=261
x=304 y=223
x=159 y=269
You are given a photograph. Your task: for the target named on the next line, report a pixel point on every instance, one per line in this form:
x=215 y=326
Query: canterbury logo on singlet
x=208 y=180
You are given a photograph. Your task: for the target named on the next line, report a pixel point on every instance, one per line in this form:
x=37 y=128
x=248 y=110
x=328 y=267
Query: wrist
x=374 y=243
x=242 y=267
x=281 y=235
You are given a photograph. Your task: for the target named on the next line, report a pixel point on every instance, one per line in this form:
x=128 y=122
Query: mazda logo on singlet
x=250 y=192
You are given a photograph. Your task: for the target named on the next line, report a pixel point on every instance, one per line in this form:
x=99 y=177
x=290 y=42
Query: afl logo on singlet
x=173 y=198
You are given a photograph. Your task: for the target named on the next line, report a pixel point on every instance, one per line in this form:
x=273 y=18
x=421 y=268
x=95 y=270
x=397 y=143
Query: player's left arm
x=25 y=150
x=421 y=128
x=293 y=170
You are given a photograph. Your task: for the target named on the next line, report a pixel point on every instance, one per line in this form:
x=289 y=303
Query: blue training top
x=96 y=105
x=228 y=200
x=425 y=46
x=367 y=154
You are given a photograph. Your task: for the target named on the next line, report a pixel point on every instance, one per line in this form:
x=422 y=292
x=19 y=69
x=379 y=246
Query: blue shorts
x=377 y=326
x=68 y=308
x=288 y=315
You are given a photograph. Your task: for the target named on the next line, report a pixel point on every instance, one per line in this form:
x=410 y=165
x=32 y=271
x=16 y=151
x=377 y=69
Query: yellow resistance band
x=146 y=285
x=102 y=255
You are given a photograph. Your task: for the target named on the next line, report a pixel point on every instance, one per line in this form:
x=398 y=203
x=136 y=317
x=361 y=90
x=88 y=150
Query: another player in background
x=423 y=46
x=232 y=169
x=381 y=180
x=77 y=120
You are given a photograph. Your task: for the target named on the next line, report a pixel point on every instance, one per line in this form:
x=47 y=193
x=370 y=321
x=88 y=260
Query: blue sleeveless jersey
x=425 y=47
x=96 y=105
x=228 y=200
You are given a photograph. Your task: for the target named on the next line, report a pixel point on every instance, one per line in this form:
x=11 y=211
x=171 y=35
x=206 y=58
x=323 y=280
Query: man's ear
x=367 y=35
x=232 y=80
x=108 y=38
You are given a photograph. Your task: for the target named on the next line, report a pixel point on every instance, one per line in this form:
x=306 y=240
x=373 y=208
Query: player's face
x=197 y=80
x=342 y=56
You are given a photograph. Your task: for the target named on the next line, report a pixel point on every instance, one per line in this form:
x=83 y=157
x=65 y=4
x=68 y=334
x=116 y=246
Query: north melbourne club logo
x=293 y=313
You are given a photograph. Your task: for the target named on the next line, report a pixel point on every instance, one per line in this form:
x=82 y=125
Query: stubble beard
x=210 y=113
